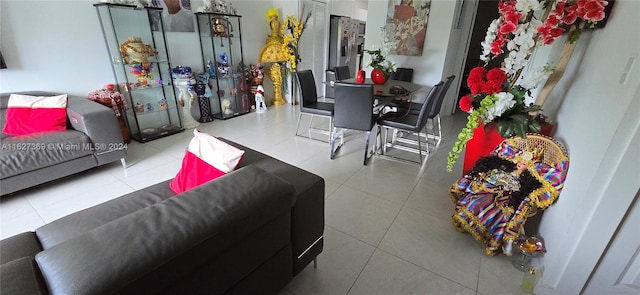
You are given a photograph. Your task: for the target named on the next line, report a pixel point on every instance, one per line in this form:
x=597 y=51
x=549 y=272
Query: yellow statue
x=272 y=53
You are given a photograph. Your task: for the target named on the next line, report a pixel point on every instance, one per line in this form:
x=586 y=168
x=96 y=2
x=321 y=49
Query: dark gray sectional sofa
x=92 y=138
x=248 y=232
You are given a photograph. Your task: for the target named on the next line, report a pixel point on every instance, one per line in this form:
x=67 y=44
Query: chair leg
x=439 y=129
x=366 y=148
x=309 y=129
x=420 y=146
x=298 y=125
x=333 y=143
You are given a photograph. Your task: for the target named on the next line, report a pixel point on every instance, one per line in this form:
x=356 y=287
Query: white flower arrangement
x=504 y=102
x=532 y=78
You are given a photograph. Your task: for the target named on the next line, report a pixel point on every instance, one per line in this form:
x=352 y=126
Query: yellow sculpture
x=273 y=54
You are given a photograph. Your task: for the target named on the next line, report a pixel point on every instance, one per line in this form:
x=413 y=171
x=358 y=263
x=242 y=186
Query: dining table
x=386 y=99
x=385 y=90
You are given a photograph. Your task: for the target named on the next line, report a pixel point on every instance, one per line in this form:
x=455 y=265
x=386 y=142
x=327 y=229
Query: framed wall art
x=407 y=25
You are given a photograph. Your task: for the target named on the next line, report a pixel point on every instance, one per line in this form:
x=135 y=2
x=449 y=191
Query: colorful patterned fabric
x=481 y=208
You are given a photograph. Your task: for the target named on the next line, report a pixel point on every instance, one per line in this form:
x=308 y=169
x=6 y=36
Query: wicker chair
x=495 y=216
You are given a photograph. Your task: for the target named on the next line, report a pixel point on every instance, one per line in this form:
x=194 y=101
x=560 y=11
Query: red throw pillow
x=206 y=158
x=28 y=114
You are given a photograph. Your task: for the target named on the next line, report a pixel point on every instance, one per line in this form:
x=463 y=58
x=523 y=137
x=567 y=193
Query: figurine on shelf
x=211 y=69
x=162 y=104
x=223 y=65
x=134 y=51
x=204 y=78
x=217 y=6
x=143 y=73
x=109 y=97
x=227 y=108
x=183 y=80
x=203 y=102
x=256 y=74
x=261 y=106
x=139 y=108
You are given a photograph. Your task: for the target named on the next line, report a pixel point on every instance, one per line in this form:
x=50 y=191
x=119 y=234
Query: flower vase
x=483 y=142
x=485 y=139
x=360 y=76
x=295 y=90
x=378 y=77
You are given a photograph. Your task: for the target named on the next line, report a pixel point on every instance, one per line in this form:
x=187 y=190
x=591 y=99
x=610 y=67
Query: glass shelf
x=222 y=55
x=138 y=35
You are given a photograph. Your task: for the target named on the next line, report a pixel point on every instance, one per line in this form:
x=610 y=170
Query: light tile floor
x=388 y=228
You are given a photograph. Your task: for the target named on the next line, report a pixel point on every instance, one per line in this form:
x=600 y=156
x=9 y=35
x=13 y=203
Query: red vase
x=485 y=140
x=480 y=145
x=378 y=77
x=360 y=76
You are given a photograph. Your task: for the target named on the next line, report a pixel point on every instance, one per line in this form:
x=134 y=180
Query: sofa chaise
x=247 y=232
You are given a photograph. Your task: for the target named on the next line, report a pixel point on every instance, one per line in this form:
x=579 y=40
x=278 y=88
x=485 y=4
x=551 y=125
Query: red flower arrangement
x=567 y=13
x=482 y=81
x=466 y=103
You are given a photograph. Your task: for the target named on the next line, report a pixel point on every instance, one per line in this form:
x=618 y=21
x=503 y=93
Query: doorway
x=467 y=32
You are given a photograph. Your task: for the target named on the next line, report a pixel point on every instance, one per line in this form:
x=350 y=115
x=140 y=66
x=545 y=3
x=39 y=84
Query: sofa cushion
x=150 y=245
x=21 y=245
x=206 y=158
x=25 y=153
x=21 y=276
x=80 y=222
x=28 y=114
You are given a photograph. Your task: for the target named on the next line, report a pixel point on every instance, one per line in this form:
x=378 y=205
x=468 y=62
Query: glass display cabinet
x=137 y=47
x=222 y=57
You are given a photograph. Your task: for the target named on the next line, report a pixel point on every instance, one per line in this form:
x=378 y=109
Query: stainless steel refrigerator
x=346 y=44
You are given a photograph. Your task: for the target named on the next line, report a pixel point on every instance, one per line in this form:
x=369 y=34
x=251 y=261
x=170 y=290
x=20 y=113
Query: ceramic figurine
x=261 y=106
x=184 y=81
x=139 y=108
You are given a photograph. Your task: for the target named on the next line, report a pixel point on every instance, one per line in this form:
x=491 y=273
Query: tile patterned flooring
x=388 y=228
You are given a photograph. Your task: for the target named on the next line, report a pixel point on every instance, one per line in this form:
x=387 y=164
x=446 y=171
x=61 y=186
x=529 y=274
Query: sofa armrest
x=100 y=124
x=151 y=249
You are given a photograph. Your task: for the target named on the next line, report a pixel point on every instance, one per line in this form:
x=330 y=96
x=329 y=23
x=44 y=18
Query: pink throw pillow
x=29 y=114
x=206 y=159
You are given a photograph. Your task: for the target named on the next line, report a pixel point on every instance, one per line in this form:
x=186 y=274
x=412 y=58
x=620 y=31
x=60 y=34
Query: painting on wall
x=407 y=25
x=177 y=14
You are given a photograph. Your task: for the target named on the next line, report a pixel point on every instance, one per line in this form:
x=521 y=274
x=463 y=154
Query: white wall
x=428 y=68
x=46 y=49
x=597 y=117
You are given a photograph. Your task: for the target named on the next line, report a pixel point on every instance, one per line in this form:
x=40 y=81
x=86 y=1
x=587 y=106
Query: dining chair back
x=310 y=105
x=342 y=72
x=353 y=110
x=410 y=123
x=434 y=110
x=403 y=74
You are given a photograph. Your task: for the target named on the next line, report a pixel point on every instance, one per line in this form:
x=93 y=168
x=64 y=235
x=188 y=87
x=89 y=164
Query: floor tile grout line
x=377 y=246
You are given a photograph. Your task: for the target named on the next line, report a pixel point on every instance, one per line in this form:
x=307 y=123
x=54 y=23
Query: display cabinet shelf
x=222 y=56
x=137 y=47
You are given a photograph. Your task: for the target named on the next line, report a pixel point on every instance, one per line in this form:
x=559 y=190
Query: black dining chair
x=353 y=110
x=416 y=106
x=403 y=74
x=434 y=110
x=310 y=104
x=342 y=72
x=409 y=123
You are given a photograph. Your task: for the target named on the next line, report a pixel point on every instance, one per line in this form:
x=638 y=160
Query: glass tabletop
x=384 y=89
